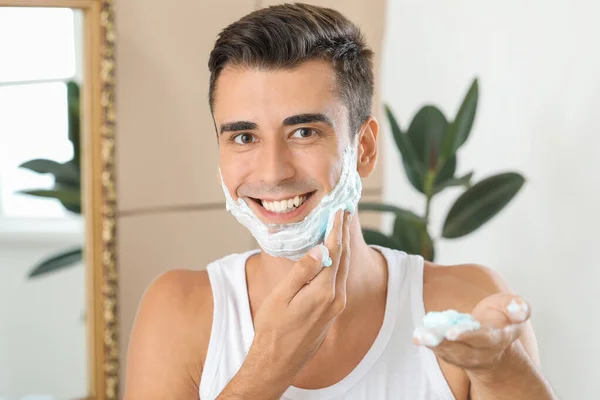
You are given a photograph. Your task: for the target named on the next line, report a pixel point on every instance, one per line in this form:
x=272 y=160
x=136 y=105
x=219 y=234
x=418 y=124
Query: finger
x=303 y=271
x=487 y=337
x=518 y=310
x=506 y=308
x=510 y=312
x=309 y=267
x=344 y=265
x=333 y=243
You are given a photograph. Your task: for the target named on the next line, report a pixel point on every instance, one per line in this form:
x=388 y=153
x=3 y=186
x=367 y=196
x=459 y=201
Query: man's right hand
x=293 y=320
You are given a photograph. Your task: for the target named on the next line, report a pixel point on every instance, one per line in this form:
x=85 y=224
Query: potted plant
x=67 y=182
x=428 y=149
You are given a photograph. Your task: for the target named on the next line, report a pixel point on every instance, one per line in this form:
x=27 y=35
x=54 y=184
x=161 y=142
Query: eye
x=244 y=138
x=304 y=133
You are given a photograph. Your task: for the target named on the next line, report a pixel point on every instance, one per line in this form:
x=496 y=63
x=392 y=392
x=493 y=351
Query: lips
x=282 y=211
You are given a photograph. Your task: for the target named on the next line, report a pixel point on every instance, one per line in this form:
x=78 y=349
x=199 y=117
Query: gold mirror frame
x=99 y=194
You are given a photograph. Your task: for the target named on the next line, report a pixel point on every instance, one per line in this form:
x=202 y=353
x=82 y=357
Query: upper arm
x=164 y=359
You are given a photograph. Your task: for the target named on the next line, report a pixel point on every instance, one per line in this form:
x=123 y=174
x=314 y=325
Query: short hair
x=284 y=36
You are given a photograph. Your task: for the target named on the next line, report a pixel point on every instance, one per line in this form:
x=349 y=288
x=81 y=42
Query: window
x=40 y=50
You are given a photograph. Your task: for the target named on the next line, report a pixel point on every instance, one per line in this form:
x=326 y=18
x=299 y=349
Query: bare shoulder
x=170 y=335
x=180 y=302
x=179 y=293
x=459 y=287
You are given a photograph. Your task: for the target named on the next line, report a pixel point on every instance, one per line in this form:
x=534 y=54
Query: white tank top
x=393 y=368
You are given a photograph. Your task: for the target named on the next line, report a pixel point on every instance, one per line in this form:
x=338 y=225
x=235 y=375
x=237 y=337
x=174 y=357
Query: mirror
x=57 y=294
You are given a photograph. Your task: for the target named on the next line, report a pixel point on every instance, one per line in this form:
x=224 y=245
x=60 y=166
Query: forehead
x=252 y=93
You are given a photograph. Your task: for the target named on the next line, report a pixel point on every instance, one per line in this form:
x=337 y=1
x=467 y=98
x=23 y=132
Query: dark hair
x=284 y=36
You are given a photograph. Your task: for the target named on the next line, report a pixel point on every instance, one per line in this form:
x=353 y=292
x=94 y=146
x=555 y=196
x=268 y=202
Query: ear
x=367 y=147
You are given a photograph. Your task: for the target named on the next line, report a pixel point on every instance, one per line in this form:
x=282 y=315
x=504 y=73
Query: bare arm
x=253 y=381
x=165 y=349
x=518 y=374
x=501 y=360
x=515 y=377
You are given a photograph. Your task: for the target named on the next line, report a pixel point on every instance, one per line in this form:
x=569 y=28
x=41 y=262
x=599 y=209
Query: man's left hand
x=502 y=317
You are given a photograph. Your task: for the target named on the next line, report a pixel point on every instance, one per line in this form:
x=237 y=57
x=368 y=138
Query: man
x=290 y=92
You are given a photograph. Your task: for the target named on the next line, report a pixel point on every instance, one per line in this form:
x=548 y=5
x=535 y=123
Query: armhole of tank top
x=434 y=371
x=217 y=337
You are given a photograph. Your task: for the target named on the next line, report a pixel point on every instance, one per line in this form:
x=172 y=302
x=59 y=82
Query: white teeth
x=283 y=206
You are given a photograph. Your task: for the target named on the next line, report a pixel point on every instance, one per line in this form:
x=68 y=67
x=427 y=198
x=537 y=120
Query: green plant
x=429 y=154
x=67 y=182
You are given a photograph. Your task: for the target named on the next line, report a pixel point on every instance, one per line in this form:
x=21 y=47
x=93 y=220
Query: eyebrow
x=289 y=121
x=237 y=126
x=307 y=119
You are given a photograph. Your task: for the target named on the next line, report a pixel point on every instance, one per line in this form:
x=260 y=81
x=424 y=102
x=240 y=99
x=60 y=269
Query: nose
x=274 y=163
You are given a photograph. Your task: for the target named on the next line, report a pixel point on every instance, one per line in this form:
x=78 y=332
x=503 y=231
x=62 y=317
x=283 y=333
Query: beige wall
x=169 y=196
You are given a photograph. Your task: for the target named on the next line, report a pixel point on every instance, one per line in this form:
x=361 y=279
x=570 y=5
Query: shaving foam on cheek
x=440 y=325
x=294 y=240
x=349 y=206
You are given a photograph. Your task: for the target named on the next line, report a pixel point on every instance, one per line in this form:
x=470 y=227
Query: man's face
x=281 y=137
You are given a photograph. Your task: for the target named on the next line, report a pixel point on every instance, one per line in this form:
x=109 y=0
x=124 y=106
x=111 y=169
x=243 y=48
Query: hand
x=293 y=320
x=484 y=348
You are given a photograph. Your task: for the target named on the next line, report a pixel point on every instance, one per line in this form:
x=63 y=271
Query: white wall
x=42 y=331
x=539 y=69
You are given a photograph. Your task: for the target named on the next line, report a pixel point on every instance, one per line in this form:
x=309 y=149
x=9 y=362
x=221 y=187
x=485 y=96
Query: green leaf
x=426 y=132
x=413 y=238
x=66 y=183
x=463 y=181
x=399 y=212
x=459 y=129
x=373 y=237
x=446 y=172
x=72 y=197
x=413 y=166
x=408 y=235
x=74 y=120
x=480 y=203
x=76 y=209
x=66 y=174
x=57 y=262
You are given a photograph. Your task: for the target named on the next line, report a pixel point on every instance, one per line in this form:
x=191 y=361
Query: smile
x=283 y=210
x=285 y=205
